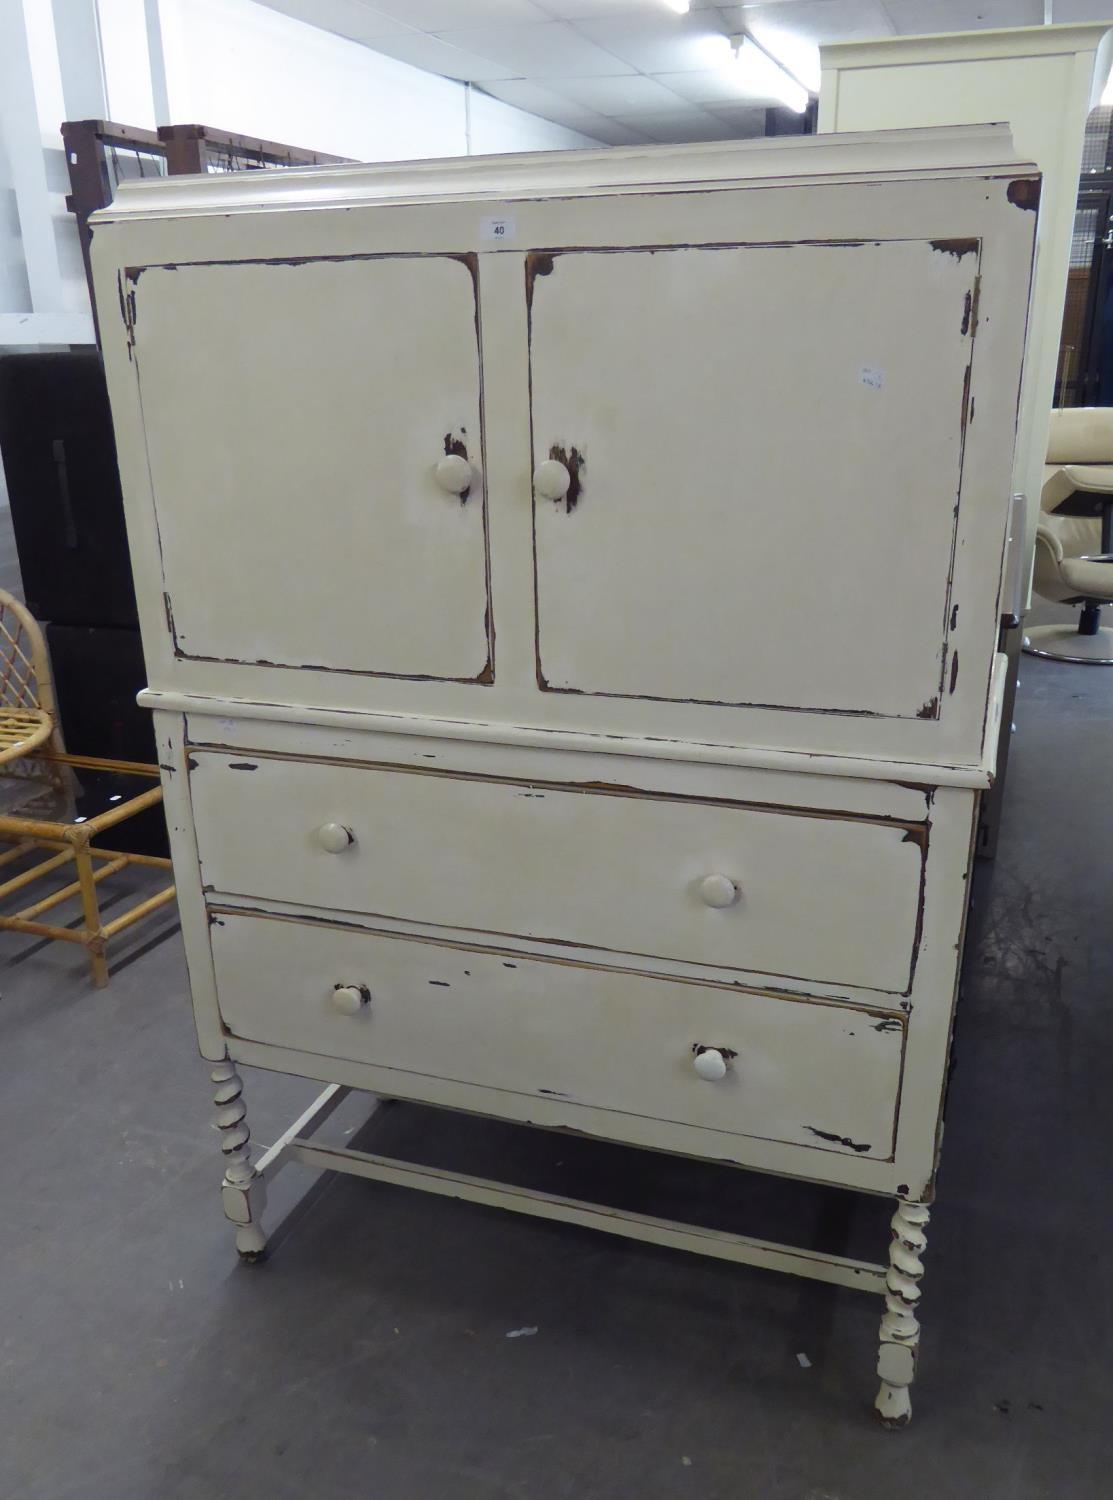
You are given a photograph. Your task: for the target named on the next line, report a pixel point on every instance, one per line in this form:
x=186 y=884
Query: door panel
x=769 y=447
x=295 y=413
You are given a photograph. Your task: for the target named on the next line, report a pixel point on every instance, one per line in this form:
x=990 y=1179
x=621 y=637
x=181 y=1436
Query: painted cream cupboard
x=569 y=589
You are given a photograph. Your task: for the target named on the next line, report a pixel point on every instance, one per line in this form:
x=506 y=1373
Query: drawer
x=821 y=898
x=812 y=1073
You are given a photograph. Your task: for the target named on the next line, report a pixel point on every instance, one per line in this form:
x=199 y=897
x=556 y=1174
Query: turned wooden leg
x=900 y=1330
x=243 y=1191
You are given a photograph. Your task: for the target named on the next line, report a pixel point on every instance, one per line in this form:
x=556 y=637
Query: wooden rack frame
x=172 y=150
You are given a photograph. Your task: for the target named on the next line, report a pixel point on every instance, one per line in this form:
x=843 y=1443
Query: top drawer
x=817 y=897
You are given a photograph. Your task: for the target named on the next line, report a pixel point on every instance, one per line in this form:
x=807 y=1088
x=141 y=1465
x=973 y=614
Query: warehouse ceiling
x=626 y=71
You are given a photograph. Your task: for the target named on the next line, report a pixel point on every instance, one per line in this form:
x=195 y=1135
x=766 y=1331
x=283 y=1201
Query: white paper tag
x=873 y=377
x=497 y=228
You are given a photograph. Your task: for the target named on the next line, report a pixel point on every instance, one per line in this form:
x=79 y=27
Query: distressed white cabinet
x=569 y=587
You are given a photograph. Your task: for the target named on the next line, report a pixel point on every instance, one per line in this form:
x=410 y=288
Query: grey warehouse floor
x=369 y=1355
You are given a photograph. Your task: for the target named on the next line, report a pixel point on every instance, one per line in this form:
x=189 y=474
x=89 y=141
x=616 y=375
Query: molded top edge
x=938 y=149
x=967 y=46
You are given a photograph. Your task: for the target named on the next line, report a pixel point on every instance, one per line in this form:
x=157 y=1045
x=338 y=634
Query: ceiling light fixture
x=759 y=72
x=680 y=6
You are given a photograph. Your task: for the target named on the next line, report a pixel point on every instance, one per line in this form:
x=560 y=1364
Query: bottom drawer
x=807 y=1072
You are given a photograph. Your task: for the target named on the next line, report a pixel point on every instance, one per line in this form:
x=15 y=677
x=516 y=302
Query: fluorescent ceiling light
x=795 y=54
x=680 y=6
x=761 y=75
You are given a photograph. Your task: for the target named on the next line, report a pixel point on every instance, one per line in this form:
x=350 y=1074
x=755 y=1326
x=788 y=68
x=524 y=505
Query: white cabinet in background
x=573 y=650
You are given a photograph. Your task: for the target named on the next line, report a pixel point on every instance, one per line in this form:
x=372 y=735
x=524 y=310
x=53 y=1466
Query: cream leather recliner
x=1074 y=538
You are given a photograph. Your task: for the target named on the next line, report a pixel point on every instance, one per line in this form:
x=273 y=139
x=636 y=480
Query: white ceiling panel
x=744 y=121
x=657 y=41
x=541 y=100
x=446 y=15
x=350 y=18
x=435 y=55
x=620 y=133
x=911 y=17
x=681 y=125
x=595 y=10
x=715 y=87
x=553 y=50
x=1083 y=10
x=626 y=94
x=822 y=20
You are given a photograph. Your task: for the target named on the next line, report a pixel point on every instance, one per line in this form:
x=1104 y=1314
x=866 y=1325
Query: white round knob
x=454 y=474
x=350 y=999
x=718 y=890
x=551 y=479
x=710 y=1064
x=334 y=837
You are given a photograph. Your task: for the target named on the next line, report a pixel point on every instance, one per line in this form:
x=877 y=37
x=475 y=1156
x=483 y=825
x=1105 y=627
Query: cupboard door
x=765 y=445
x=295 y=415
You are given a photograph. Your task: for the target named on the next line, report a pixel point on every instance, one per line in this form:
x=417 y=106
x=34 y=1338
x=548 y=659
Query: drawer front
x=810 y=1073
x=824 y=899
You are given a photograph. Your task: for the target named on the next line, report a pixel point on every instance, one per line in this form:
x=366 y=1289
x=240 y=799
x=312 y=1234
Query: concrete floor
x=369 y=1355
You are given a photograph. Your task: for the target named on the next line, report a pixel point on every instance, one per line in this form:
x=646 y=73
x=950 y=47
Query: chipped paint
x=574 y=461
x=540 y=263
x=838 y=1140
x=1024 y=192
x=957 y=248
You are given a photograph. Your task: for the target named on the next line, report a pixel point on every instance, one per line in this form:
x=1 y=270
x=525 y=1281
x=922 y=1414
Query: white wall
x=240 y=66
x=126 y=64
x=496 y=126
x=43 y=299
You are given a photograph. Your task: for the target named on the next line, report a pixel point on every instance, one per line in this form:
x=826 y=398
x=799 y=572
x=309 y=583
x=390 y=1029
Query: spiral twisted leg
x=900 y=1328
x=242 y=1191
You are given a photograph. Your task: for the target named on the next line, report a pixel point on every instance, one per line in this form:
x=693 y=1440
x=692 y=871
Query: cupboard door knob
x=551 y=479
x=334 y=837
x=350 y=999
x=710 y=1064
x=718 y=890
x=453 y=474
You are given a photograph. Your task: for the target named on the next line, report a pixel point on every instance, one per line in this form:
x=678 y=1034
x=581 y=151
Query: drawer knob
x=710 y=1064
x=551 y=479
x=453 y=474
x=350 y=999
x=718 y=890
x=334 y=837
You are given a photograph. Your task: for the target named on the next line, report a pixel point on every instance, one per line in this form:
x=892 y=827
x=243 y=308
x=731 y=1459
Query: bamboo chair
x=45 y=816
x=28 y=716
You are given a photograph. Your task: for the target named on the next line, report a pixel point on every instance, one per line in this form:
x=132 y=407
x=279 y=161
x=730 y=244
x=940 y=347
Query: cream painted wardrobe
x=569 y=588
